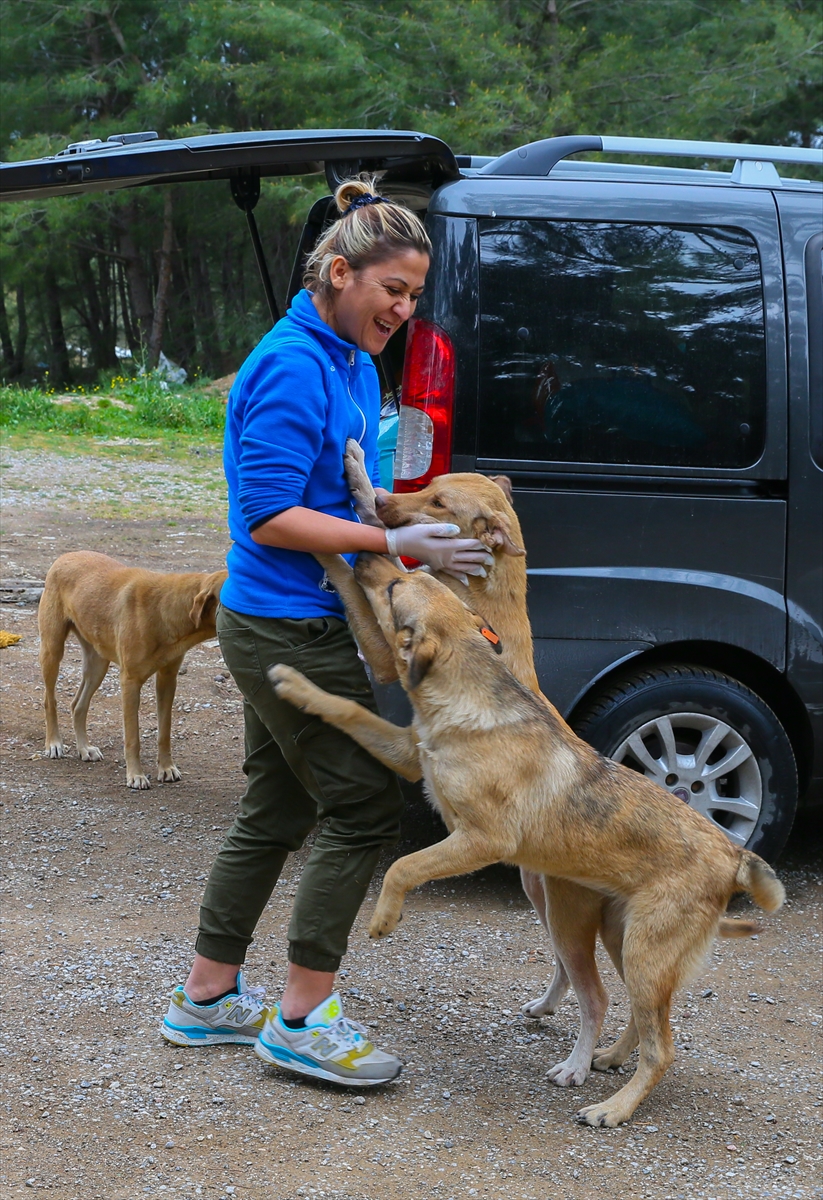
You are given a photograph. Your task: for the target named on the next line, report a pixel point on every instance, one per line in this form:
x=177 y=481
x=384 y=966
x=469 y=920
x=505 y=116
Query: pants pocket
x=239 y=650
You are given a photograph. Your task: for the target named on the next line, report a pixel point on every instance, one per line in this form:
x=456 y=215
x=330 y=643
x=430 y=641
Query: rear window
x=621 y=343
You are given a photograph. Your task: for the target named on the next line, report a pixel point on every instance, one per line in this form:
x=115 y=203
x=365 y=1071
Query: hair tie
x=362 y=201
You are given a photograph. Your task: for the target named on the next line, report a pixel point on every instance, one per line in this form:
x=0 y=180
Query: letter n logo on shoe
x=239 y=1014
x=325 y=1047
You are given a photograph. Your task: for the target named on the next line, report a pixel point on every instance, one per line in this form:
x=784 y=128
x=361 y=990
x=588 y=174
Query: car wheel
x=707 y=739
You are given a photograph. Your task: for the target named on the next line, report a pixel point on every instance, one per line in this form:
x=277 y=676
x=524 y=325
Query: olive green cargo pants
x=301 y=773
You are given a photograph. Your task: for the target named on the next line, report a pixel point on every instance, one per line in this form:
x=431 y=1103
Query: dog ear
x=418 y=657
x=505 y=485
x=203 y=607
x=498 y=533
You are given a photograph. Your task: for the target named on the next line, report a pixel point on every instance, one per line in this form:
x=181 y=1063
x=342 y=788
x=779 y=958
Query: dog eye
x=437 y=503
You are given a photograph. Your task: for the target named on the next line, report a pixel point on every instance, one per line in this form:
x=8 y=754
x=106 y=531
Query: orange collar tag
x=492 y=637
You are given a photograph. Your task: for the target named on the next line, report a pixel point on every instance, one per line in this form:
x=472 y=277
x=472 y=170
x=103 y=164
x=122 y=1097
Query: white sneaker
x=329 y=1047
x=236 y=1018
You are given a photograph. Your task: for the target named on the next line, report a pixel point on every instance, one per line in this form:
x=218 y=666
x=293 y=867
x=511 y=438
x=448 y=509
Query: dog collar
x=492 y=637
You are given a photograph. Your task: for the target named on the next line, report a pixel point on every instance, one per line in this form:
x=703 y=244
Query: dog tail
x=758 y=879
x=731 y=927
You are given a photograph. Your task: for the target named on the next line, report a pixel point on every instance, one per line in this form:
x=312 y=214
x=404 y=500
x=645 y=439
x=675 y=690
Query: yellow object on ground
x=8 y=639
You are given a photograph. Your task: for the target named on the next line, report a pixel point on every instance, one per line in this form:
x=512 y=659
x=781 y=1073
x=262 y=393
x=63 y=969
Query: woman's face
x=369 y=305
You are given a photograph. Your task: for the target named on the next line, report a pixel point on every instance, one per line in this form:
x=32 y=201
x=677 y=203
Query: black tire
x=667 y=711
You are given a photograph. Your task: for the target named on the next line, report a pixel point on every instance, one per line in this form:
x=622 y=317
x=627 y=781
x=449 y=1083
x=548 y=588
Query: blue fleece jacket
x=297 y=398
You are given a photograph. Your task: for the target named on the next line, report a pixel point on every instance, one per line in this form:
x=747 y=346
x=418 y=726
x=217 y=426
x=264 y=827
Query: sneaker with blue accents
x=330 y=1046
x=236 y=1018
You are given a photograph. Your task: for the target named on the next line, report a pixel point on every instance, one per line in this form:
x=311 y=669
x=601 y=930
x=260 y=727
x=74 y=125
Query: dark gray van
x=640 y=349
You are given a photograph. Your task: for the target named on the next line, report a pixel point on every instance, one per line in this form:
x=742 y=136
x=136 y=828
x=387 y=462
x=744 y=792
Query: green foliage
x=485 y=75
x=152 y=408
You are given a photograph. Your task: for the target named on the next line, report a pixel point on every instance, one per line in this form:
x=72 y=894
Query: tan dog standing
x=144 y=621
x=481 y=507
x=514 y=784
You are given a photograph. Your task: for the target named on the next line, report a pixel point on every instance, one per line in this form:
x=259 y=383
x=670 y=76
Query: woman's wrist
x=318 y=533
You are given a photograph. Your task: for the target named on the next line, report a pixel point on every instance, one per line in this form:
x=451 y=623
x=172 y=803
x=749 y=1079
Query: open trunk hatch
x=129 y=160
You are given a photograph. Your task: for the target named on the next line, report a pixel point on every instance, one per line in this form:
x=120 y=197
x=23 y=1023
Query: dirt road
x=100 y=887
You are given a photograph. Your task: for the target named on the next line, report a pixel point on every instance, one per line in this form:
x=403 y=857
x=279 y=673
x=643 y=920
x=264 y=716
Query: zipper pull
x=351 y=357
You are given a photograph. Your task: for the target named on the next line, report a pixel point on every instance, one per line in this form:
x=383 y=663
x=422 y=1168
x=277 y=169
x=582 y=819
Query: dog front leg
x=165 y=684
x=393 y=746
x=574 y=915
x=130 y=697
x=360 y=486
x=363 y=622
x=459 y=854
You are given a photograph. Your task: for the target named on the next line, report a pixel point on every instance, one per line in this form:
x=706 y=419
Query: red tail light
x=424 y=438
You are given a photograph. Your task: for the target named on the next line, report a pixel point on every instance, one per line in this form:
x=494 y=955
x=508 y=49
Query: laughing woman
x=307 y=387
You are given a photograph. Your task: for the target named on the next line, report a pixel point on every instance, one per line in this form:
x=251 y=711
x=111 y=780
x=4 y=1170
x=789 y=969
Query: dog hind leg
x=165 y=684
x=93 y=673
x=54 y=629
x=548 y=1003
x=574 y=918
x=653 y=965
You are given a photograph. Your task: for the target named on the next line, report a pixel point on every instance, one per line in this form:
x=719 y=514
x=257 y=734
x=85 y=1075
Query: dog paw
x=91 y=754
x=569 y=1073
x=138 y=782
x=55 y=750
x=168 y=774
x=354 y=464
x=605 y=1060
x=537 y=1008
x=292 y=686
x=600 y=1116
x=383 y=922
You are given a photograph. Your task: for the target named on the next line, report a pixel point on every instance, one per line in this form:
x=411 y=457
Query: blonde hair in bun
x=376 y=230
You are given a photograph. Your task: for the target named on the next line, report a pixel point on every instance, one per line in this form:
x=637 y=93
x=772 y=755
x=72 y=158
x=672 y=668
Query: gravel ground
x=100 y=888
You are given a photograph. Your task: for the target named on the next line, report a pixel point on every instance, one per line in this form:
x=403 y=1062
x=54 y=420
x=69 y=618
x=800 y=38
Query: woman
x=307 y=387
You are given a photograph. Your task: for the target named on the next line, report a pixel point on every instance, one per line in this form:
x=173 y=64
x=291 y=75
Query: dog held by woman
x=514 y=784
x=144 y=621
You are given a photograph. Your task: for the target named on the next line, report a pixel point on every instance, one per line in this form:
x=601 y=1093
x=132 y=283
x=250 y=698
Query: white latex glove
x=440 y=548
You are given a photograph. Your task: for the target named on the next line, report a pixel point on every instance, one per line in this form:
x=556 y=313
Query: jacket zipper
x=351 y=397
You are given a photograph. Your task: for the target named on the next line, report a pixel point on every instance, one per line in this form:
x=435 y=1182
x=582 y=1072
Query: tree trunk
x=141 y=302
x=125 y=309
x=5 y=334
x=95 y=311
x=204 y=315
x=59 y=371
x=161 y=298
x=22 y=333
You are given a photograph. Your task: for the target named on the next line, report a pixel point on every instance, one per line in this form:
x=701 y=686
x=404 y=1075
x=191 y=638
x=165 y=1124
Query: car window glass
x=619 y=343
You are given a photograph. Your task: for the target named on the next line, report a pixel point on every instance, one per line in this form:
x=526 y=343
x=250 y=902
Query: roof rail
x=754 y=165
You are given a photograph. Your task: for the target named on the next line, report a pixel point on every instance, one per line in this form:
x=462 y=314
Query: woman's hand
x=438 y=547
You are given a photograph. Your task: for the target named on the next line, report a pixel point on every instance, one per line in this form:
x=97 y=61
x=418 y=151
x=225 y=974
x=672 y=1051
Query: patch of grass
x=155 y=410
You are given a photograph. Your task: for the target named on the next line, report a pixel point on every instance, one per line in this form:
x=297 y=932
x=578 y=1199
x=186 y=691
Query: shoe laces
x=255 y=994
x=348 y=1032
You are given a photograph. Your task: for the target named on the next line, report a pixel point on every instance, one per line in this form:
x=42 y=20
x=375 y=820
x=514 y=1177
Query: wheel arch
x=763 y=679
